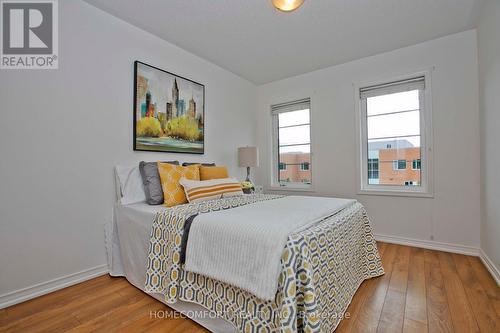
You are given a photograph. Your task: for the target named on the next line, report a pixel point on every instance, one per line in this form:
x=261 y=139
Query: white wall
x=62 y=131
x=489 y=85
x=453 y=215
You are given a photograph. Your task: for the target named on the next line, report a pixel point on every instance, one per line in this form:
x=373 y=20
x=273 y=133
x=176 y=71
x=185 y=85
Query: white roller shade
x=417 y=83
x=302 y=104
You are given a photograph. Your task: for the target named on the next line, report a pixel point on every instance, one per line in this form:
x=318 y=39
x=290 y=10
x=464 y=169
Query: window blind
x=417 y=83
x=302 y=104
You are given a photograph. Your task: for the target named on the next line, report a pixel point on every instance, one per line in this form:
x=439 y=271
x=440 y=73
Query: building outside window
x=292 y=144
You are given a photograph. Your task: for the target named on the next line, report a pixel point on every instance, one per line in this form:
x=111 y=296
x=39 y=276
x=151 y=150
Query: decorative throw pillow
x=213 y=172
x=151 y=181
x=173 y=194
x=131 y=188
x=197 y=191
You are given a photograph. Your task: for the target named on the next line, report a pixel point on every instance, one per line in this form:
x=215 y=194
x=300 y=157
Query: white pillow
x=198 y=191
x=131 y=187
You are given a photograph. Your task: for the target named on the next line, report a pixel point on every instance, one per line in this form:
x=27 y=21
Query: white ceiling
x=257 y=42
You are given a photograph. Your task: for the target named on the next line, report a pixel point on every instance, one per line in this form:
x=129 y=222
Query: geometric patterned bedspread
x=321 y=269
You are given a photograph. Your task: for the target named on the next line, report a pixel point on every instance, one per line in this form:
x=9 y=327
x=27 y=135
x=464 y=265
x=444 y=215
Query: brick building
x=399 y=166
x=295 y=167
x=394 y=162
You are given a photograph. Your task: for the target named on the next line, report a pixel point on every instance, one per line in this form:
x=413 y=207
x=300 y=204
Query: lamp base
x=248 y=175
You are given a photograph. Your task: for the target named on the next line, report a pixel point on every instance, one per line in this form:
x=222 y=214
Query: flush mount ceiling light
x=287 y=5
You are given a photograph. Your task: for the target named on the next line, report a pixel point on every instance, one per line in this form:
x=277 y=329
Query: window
x=292 y=144
x=416 y=164
x=395 y=131
x=399 y=165
x=373 y=170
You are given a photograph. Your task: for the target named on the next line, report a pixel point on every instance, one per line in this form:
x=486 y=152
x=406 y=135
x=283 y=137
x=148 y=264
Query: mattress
x=127 y=242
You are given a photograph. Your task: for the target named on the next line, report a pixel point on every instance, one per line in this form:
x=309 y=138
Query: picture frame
x=169 y=112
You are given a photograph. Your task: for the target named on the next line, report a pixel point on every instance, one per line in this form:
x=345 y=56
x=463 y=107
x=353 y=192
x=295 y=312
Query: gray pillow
x=204 y=164
x=151 y=181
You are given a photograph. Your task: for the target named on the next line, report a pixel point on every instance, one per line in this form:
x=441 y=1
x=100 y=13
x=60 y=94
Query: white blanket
x=243 y=246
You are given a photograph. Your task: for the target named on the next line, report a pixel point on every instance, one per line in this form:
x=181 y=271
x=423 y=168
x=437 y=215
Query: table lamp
x=248 y=157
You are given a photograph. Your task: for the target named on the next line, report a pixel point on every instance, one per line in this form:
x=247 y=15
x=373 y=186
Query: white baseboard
x=24 y=294
x=494 y=271
x=431 y=245
x=446 y=247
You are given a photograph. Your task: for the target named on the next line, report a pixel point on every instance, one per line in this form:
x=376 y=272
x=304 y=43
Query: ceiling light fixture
x=287 y=5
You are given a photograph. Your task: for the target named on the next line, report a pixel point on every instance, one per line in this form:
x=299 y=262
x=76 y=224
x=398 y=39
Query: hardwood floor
x=422 y=291
x=426 y=291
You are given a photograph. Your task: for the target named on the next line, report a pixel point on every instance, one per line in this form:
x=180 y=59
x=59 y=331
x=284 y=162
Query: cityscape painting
x=168 y=112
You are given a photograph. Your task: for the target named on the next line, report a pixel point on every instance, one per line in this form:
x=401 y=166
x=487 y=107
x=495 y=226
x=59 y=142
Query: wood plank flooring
x=422 y=291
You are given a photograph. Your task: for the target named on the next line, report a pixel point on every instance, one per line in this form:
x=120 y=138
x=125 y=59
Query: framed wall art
x=169 y=111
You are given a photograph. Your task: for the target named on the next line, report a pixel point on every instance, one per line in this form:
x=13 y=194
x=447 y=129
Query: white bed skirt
x=127 y=242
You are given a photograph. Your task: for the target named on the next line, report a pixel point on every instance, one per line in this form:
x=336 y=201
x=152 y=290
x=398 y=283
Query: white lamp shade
x=248 y=156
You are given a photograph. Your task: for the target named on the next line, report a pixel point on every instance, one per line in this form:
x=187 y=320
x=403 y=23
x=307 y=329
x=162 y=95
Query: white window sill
x=396 y=193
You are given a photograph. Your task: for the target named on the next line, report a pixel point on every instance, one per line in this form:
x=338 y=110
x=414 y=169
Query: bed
x=127 y=243
x=320 y=266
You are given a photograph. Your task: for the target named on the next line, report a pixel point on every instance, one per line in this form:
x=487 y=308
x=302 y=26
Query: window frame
x=395 y=165
x=416 y=164
x=303 y=166
x=371 y=162
x=426 y=188
x=274 y=183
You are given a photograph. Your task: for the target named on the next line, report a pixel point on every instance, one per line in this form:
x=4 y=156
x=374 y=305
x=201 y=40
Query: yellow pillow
x=173 y=193
x=197 y=191
x=208 y=173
